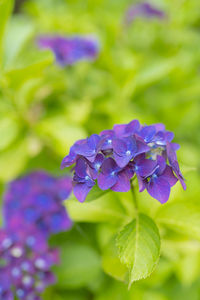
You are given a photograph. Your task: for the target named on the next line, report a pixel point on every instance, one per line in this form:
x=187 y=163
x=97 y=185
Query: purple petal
x=140 y=183
x=175 y=146
x=141 y=146
x=109 y=165
x=68 y=160
x=81 y=167
x=147 y=133
x=169 y=136
x=171 y=154
x=176 y=169
x=84 y=149
x=146 y=167
x=168 y=175
x=119 y=129
x=119 y=146
x=123 y=183
x=129 y=171
x=159 y=189
x=159 y=127
x=122 y=161
x=132 y=128
x=106 y=181
x=80 y=191
x=96 y=165
x=109 y=133
x=159 y=138
x=161 y=165
x=93 y=141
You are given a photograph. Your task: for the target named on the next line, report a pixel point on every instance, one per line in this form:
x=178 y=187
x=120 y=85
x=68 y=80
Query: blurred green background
x=149 y=71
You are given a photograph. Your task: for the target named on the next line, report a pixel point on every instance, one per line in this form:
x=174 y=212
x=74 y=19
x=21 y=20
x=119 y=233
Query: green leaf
x=58 y=131
x=95 y=193
x=183 y=216
x=80 y=264
x=32 y=66
x=9 y=130
x=18 y=154
x=139 y=247
x=5 y=11
x=111 y=263
x=20 y=29
x=105 y=209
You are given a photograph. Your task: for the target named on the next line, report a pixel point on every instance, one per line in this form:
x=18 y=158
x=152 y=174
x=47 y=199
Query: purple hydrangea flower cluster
x=32 y=211
x=69 y=50
x=37 y=199
x=114 y=156
x=25 y=265
x=144 y=9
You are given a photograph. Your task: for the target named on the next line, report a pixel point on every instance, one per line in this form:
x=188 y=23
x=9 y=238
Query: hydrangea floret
x=32 y=210
x=112 y=158
x=26 y=262
x=69 y=50
x=38 y=198
x=143 y=9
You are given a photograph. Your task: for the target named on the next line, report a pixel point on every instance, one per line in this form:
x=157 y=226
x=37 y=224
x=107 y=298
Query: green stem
x=134 y=198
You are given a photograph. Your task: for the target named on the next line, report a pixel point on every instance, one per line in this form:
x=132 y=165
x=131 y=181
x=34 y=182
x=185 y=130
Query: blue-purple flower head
x=113 y=157
x=37 y=200
x=26 y=261
x=144 y=9
x=70 y=50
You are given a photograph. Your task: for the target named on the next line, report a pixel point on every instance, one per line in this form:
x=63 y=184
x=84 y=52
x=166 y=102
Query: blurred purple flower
x=70 y=50
x=144 y=9
x=36 y=200
x=114 y=156
x=26 y=261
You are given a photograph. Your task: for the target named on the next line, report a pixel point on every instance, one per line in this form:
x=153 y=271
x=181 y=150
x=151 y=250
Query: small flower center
x=40 y=263
x=154 y=176
x=87 y=177
x=136 y=168
x=97 y=166
x=112 y=173
x=109 y=141
x=27 y=280
x=128 y=152
x=16 y=252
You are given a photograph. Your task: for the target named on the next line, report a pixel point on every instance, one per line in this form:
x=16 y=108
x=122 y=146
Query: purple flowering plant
x=33 y=210
x=143 y=9
x=70 y=50
x=26 y=262
x=37 y=198
x=114 y=157
x=112 y=161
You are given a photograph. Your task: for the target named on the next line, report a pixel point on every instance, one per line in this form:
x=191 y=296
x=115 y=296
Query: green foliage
x=103 y=209
x=148 y=71
x=80 y=264
x=182 y=216
x=5 y=11
x=139 y=247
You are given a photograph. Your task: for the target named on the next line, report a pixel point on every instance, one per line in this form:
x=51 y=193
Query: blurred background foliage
x=149 y=71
